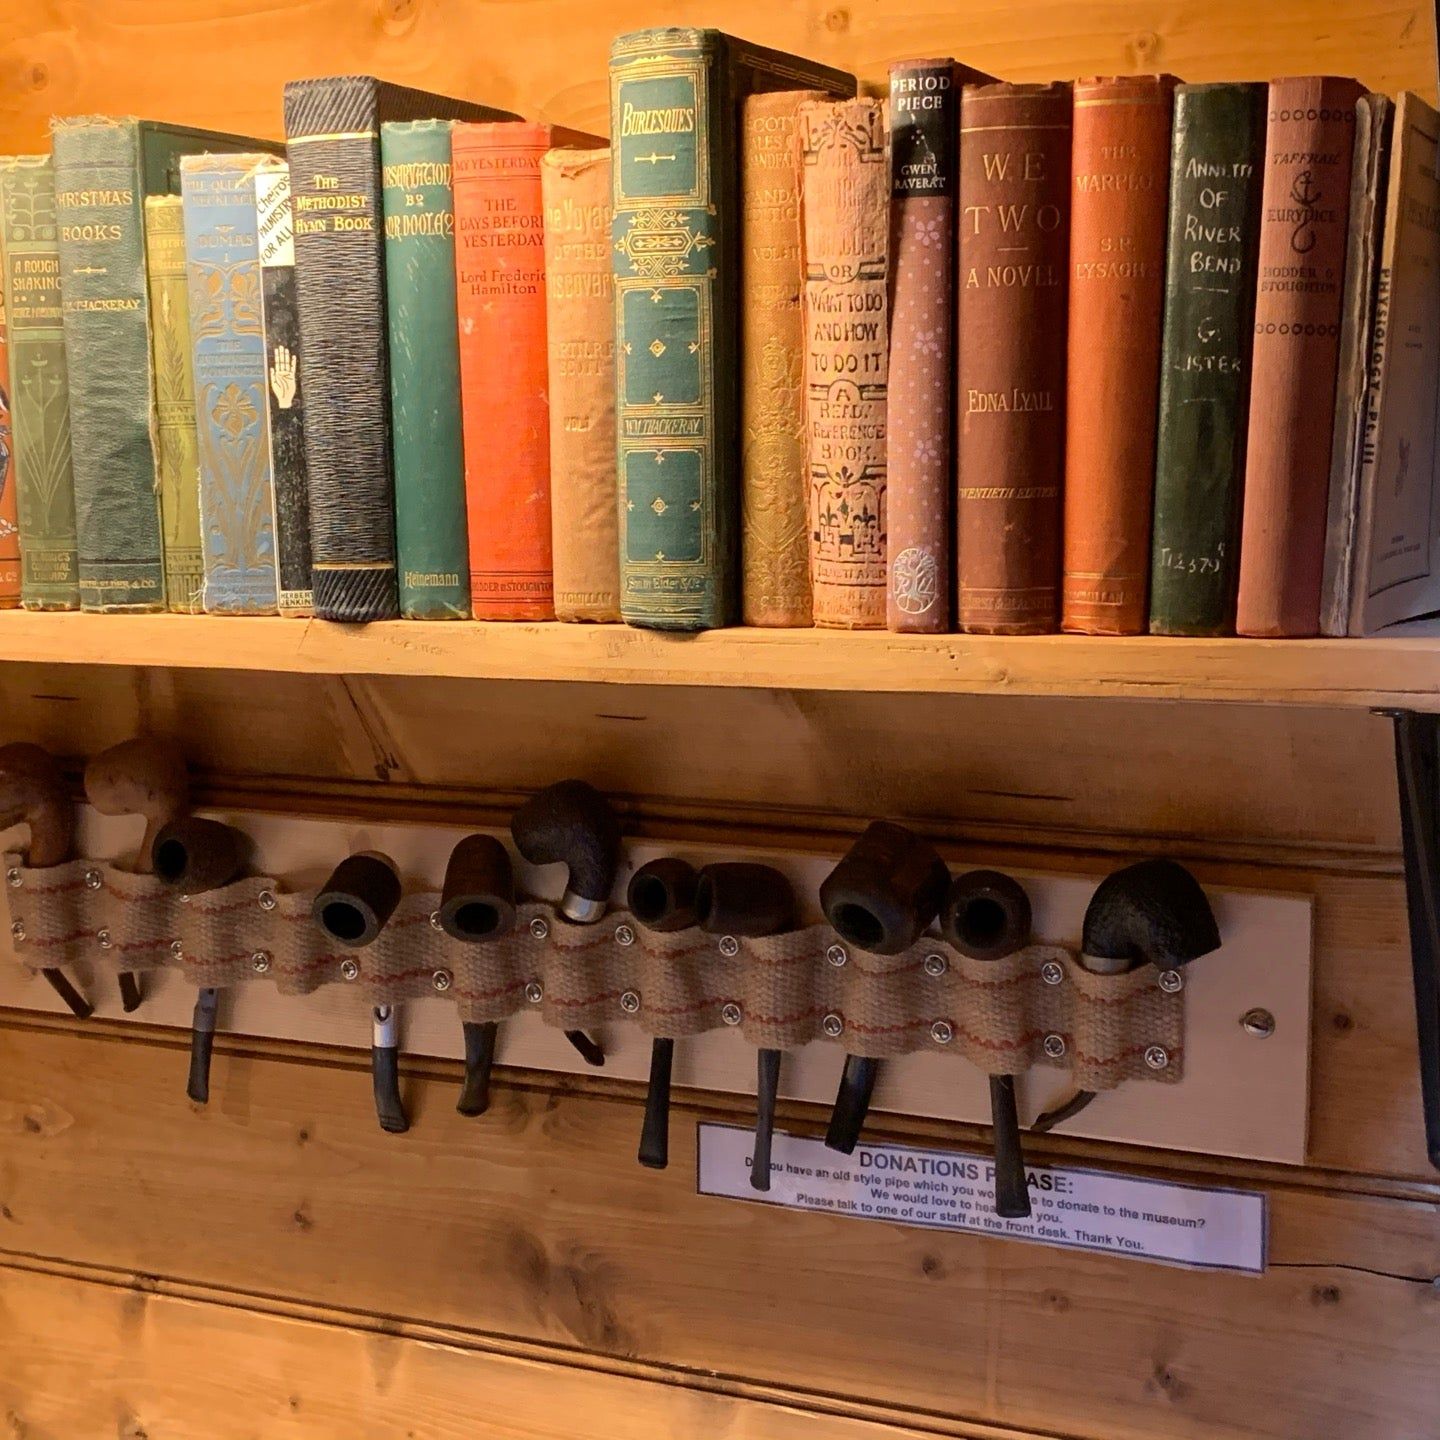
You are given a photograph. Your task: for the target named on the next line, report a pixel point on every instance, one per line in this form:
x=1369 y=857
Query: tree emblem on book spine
x=913 y=580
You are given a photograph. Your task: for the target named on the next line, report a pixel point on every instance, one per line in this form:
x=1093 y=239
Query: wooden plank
x=1217 y=780
x=101 y=55
x=1347 y=673
x=535 y=1223
x=78 y=1355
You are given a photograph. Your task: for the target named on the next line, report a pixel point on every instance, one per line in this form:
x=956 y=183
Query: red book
x=505 y=409
x=1304 y=226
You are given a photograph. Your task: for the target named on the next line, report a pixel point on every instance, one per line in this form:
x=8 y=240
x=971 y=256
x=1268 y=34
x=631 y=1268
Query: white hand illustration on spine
x=282 y=376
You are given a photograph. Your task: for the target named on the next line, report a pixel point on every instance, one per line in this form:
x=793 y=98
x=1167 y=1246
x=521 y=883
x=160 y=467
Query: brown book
x=1309 y=148
x=846 y=210
x=775 y=542
x=9 y=516
x=580 y=341
x=1119 y=212
x=1010 y=371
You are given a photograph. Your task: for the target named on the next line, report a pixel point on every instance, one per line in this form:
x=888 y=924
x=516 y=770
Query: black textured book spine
x=332 y=128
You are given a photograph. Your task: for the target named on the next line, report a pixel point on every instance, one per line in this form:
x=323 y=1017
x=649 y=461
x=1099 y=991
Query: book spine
x=39 y=390
x=924 y=119
x=1305 y=207
x=1121 y=170
x=1012 y=302
x=430 y=542
x=846 y=190
x=237 y=500
x=1215 y=173
x=331 y=130
x=775 y=542
x=9 y=515
x=1355 y=388
x=177 y=457
x=580 y=340
x=98 y=202
x=500 y=277
x=676 y=249
x=280 y=325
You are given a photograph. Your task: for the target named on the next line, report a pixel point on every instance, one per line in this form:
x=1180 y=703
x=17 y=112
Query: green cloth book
x=431 y=549
x=675 y=98
x=30 y=262
x=104 y=169
x=1216 y=170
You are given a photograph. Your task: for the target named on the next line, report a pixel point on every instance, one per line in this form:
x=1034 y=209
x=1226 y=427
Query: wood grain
x=535 y=1223
x=222 y=62
x=1355 y=674
x=87 y=1357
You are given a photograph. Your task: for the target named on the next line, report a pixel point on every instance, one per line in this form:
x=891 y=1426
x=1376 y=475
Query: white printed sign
x=950 y=1190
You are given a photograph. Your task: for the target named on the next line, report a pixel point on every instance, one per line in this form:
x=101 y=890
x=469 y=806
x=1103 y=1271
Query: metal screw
x=729 y=946
x=1052 y=972
x=349 y=970
x=539 y=927
x=1259 y=1023
x=1172 y=982
x=177 y=949
x=93 y=880
x=833 y=1025
x=14 y=878
x=1054 y=1046
x=17 y=932
x=434 y=919
x=629 y=1002
x=441 y=980
x=624 y=935
x=731 y=1013
x=266 y=900
x=260 y=961
x=103 y=939
x=935 y=964
x=1157 y=1057
x=183 y=898
x=942 y=1032
x=535 y=991
x=836 y=955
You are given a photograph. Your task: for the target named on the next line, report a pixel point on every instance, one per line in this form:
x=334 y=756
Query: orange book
x=505 y=410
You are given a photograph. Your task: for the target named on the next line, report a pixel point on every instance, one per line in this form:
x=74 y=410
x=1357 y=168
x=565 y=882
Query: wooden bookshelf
x=1350 y=674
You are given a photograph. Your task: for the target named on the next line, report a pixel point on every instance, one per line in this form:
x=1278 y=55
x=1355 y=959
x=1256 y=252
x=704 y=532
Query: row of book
x=971 y=355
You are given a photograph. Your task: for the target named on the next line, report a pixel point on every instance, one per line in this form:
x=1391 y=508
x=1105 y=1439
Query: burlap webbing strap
x=785 y=986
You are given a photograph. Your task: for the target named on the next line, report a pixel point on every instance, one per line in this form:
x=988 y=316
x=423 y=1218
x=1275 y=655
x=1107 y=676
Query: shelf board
x=1401 y=672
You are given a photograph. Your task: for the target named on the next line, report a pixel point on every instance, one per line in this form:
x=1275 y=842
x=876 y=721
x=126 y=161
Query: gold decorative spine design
x=177 y=449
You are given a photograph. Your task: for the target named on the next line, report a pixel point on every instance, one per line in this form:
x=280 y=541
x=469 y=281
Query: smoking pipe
x=880 y=897
x=192 y=855
x=32 y=793
x=477 y=906
x=572 y=823
x=744 y=899
x=139 y=777
x=661 y=896
x=1151 y=911
x=352 y=908
x=986 y=916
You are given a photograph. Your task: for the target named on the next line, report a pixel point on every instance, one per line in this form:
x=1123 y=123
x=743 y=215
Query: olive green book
x=177 y=457
x=40 y=392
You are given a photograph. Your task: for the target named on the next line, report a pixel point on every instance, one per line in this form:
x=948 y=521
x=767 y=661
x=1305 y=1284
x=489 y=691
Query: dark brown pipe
x=356 y=902
x=661 y=894
x=572 y=823
x=1155 y=911
x=478 y=902
x=195 y=855
x=886 y=889
x=738 y=897
x=986 y=916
